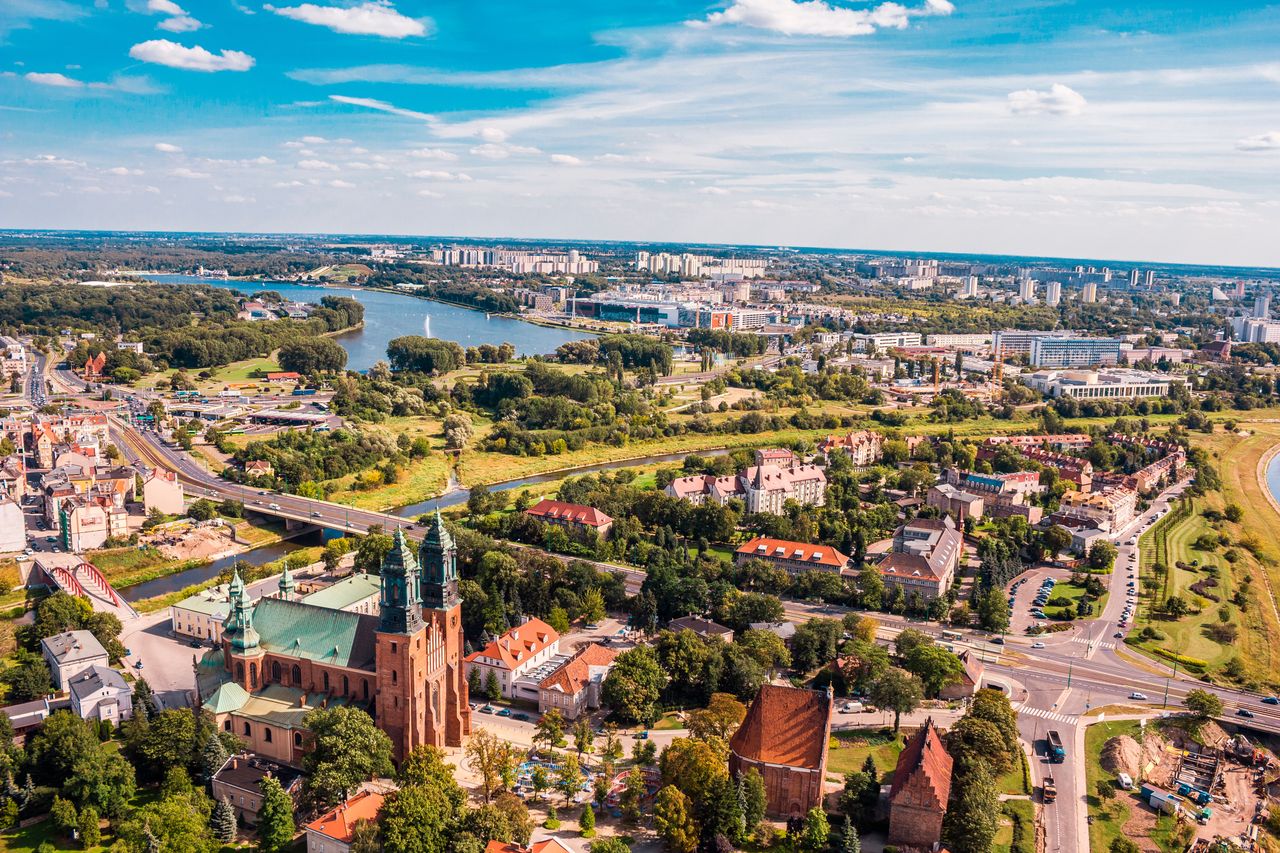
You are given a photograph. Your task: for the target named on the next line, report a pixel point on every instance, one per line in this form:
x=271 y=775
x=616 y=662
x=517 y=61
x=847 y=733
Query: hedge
x=1190 y=662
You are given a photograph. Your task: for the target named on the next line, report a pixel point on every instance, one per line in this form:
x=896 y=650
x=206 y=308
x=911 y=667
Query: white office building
x=1074 y=352
x=1096 y=385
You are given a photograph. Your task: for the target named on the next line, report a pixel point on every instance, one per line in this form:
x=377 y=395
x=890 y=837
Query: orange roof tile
x=518 y=645
x=925 y=754
x=782 y=549
x=576 y=672
x=338 y=823
x=785 y=725
x=573 y=513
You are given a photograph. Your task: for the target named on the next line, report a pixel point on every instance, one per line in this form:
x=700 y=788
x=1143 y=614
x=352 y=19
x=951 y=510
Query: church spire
x=439 y=559
x=401 y=604
x=286 y=584
x=239 y=628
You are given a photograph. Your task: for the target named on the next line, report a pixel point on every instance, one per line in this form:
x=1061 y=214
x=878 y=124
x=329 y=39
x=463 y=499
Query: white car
x=1037 y=645
x=274 y=506
x=1139 y=696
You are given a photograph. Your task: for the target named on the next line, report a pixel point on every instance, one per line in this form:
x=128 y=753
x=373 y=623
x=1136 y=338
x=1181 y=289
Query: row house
x=572 y=516
x=762 y=488
x=794 y=557
x=865 y=447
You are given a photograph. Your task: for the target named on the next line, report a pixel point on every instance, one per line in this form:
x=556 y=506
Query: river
x=392 y=315
x=1273 y=476
x=200 y=574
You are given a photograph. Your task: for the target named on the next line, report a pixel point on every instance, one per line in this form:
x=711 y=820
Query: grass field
x=1023 y=814
x=850 y=749
x=1073 y=592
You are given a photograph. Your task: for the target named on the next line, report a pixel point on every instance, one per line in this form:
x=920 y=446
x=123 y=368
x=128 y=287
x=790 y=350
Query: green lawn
x=850 y=749
x=1017 y=833
x=1073 y=592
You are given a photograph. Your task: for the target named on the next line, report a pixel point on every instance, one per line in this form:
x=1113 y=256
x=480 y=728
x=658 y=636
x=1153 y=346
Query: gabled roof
x=339 y=823
x=575 y=673
x=516 y=647
x=924 y=755
x=785 y=725
x=572 y=513
x=73 y=646
x=295 y=629
x=821 y=556
x=96 y=678
x=698 y=625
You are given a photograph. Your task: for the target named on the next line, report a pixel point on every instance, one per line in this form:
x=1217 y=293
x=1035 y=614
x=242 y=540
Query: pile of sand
x=1152 y=748
x=1122 y=755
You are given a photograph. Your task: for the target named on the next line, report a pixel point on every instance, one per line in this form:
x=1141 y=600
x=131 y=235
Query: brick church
x=281 y=658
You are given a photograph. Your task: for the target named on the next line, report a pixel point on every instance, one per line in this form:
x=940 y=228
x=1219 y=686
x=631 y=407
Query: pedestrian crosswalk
x=1084 y=641
x=1052 y=716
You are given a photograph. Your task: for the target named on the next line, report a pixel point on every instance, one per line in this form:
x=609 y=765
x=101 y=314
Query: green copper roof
x=315 y=633
x=286 y=580
x=437 y=534
x=399 y=561
x=345 y=592
x=228 y=697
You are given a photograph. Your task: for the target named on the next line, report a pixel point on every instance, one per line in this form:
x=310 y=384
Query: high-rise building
x=1151 y=279
x=970 y=289
x=1134 y=277
x=1238 y=293
x=1074 y=352
x=1089 y=293
x=1262 y=305
x=1027 y=290
x=1053 y=293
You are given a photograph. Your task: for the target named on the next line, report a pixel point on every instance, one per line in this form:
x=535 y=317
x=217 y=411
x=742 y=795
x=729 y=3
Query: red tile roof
x=785 y=725
x=517 y=646
x=575 y=674
x=338 y=823
x=782 y=549
x=924 y=754
x=573 y=513
x=283 y=376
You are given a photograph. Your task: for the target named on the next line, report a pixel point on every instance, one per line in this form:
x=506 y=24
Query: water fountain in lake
x=426 y=325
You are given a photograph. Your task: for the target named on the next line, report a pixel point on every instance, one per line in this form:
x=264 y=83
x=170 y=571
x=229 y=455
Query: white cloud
x=566 y=160
x=433 y=154
x=165 y=7
x=178 y=21
x=433 y=175
x=1261 y=142
x=713 y=191
x=174 y=55
x=1058 y=99
x=317 y=166
x=493 y=134
x=314 y=140
x=494 y=151
x=238 y=199
x=123 y=170
x=382 y=106
x=373 y=18
x=261 y=161
x=61 y=81
x=429 y=194
x=184 y=172
x=167 y=148
x=817 y=18
x=341 y=185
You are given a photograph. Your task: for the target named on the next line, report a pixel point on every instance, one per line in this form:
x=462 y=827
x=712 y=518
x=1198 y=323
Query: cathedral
x=282 y=657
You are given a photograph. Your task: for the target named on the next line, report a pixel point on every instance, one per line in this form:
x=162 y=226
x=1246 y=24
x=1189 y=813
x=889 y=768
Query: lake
x=392 y=315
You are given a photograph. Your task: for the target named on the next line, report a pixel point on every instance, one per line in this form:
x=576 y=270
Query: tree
x=416 y=819
x=593 y=606
x=993 y=610
x=934 y=666
x=1124 y=845
x=492 y=687
x=178 y=824
x=632 y=795
x=550 y=729
x=720 y=719
x=168 y=740
x=1102 y=556
x=490 y=758
x=899 y=691
x=1202 y=704
x=202 y=510
x=816 y=834
x=28 y=679
x=144 y=700
x=587 y=823
x=425 y=765
x=275 y=817
x=975 y=741
x=64 y=816
x=974 y=813
x=673 y=819
x=766 y=647
x=849 y=841
x=634 y=684
x=90 y=828
x=910 y=639
x=347 y=749
x=754 y=799
x=312 y=355
x=611 y=844
x=212 y=757
x=223 y=821
x=474 y=684
x=584 y=737
x=644 y=752
x=1056 y=539
x=538 y=781
x=569 y=776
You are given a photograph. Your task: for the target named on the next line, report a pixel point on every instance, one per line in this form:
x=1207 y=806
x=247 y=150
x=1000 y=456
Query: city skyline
x=1066 y=130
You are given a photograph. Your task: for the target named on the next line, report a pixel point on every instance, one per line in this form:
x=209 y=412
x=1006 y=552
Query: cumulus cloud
x=381 y=106
x=167 y=148
x=53 y=78
x=434 y=175
x=1261 y=142
x=494 y=151
x=339 y=184
x=178 y=21
x=373 y=18
x=818 y=18
x=433 y=154
x=123 y=170
x=566 y=160
x=317 y=166
x=184 y=172
x=493 y=134
x=174 y=55
x=1058 y=100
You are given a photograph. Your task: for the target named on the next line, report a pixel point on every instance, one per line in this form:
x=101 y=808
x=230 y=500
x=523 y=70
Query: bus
x=952 y=635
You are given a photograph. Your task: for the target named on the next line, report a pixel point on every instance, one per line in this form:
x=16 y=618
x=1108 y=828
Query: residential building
x=515 y=655
x=239 y=781
x=778 y=457
x=87 y=523
x=784 y=737
x=1074 y=352
x=1255 y=330
x=704 y=628
x=1014 y=342
x=280 y=658
x=284 y=376
x=969 y=681
x=863 y=448
x=101 y=693
x=573 y=517
x=768 y=488
x=955 y=502
x=546 y=845
x=258 y=468
x=1117 y=384
x=925 y=555
x=1089 y=293
x=882 y=341
x=71 y=653
x=980 y=340
x=1109 y=510
x=574 y=686
x=13 y=527
x=1052 y=293
x=793 y=557
x=202 y=615
x=920 y=791
x=162 y=491
x=357 y=593
x=334 y=830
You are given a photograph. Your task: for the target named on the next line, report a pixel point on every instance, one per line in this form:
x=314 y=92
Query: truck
x=303 y=392
x=1053 y=745
x=1049 y=790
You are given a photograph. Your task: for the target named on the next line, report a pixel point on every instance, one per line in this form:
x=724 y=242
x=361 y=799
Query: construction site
x=1216 y=787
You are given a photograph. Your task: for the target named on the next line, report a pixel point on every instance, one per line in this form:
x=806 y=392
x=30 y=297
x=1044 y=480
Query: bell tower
x=448 y=711
x=401 y=651
x=241 y=644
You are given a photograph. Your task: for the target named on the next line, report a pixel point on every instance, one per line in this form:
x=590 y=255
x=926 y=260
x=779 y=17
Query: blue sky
x=1138 y=130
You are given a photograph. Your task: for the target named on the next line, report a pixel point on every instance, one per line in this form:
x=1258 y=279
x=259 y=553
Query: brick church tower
x=422 y=694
